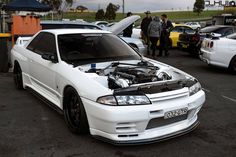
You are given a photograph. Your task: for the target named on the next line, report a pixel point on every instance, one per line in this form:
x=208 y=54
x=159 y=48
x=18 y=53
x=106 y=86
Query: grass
x=180 y=16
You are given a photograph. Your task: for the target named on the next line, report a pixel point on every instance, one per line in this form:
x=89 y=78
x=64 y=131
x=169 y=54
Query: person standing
x=165 y=34
x=144 y=28
x=154 y=33
x=129 y=30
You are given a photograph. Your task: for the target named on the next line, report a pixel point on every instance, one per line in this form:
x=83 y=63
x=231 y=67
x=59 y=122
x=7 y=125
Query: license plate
x=185 y=46
x=176 y=113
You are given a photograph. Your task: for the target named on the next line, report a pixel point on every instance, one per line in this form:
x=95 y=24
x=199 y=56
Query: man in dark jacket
x=144 y=27
x=129 y=30
x=165 y=34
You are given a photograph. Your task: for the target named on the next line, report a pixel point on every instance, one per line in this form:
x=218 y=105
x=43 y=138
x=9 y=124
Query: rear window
x=224 y=31
x=213 y=29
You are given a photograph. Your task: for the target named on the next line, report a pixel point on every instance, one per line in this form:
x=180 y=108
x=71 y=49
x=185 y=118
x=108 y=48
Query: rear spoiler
x=21 y=41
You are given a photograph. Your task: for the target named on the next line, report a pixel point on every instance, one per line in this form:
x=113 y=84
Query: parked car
x=220 y=51
x=117 y=28
x=104 y=87
x=176 y=31
x=191 y=42
x=194 y=25
x=174 y=34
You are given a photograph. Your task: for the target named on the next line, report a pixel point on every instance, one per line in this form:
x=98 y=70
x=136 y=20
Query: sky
x=139 y=5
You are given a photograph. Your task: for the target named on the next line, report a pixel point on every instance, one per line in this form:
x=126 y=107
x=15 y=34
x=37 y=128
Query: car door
x=43 y=72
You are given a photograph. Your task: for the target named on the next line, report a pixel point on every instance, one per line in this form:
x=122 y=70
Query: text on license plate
x=175 y=113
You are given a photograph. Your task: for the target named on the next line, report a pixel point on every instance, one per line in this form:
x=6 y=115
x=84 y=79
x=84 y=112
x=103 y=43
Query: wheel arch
x=63 y=96
x=233 y=58
x=16 y=63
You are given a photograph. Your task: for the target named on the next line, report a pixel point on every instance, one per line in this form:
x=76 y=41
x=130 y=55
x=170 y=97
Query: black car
x=191 y=42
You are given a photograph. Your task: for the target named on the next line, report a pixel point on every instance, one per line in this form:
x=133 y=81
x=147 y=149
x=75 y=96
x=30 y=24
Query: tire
x=74 y=112
x=232 y=65
x=17 y=75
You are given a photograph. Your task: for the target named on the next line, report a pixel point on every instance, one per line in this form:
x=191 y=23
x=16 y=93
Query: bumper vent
x=126 y=127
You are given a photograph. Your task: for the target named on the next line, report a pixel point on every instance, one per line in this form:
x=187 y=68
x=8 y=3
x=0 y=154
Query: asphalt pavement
x=30 y=128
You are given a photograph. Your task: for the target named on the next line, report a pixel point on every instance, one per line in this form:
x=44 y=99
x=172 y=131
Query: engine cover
x=123 y=77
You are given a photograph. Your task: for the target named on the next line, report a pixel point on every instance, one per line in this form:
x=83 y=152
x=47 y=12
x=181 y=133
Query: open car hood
x=123 y=24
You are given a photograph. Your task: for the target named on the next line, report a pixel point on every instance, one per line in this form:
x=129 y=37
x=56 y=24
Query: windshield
x=92 y=48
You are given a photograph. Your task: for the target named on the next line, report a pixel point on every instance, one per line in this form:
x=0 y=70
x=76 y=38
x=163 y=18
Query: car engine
x=124 y=75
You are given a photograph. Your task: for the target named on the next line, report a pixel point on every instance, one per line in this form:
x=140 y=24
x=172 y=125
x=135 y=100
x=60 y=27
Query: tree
x=81 y=8
x=199 y=6
x=111 y=11
x=100 y=15
x=57 y=4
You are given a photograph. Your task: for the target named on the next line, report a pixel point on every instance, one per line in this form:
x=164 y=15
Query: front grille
x=159 y=122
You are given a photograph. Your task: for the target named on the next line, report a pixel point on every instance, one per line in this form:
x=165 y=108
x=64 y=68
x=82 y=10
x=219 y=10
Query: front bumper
x=129 y=124
x=152 y=140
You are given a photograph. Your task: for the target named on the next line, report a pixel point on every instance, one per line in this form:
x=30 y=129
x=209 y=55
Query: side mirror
x=50 y=57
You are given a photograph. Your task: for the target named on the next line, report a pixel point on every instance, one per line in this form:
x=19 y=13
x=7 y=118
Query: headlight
x=124 y=100
x=195 y=88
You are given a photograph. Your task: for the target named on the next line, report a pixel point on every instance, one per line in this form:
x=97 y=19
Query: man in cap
x=144 y=27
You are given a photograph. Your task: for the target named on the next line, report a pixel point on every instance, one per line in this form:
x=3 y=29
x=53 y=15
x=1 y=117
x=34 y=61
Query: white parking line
x=231 y=99
x=206 y=90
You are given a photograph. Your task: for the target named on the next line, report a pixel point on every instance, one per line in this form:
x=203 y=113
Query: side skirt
x=49 y=103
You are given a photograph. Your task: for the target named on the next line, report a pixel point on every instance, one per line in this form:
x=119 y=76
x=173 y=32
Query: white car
x=194 y=25
x=220 y=51
x=106 y=88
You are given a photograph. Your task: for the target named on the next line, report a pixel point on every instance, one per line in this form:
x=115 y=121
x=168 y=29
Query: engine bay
x=123 y=75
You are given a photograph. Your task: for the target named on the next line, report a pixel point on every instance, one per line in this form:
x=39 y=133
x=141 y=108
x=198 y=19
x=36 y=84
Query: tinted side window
x=43 y=43
x=35 y=42
x=47 y=44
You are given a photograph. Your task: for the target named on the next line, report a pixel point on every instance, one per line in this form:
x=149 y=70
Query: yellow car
x=176 y=31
